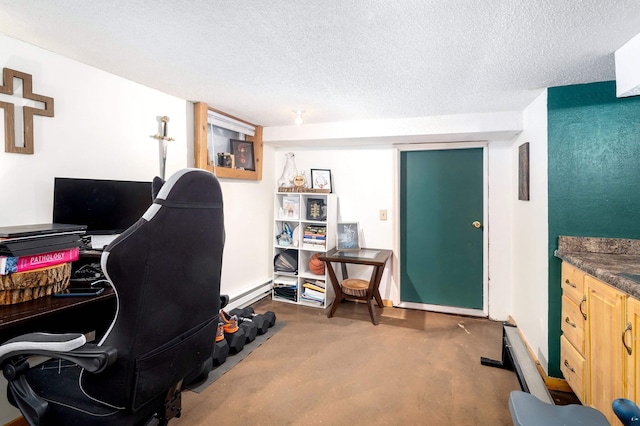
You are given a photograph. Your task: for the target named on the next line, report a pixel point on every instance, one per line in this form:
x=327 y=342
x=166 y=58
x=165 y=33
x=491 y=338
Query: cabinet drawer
x=573 y=324
x=573 y=367
x=572 y=282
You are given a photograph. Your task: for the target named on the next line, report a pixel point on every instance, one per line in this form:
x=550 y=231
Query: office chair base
x=172 y=405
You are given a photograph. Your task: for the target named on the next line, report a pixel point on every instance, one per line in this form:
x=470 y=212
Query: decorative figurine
x=290 y=171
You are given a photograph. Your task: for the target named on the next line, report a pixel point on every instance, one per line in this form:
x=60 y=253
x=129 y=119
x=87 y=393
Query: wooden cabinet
x=631 y=341
x=573 y=341
x=204 y=159
x=599 y=347
x=605 y=316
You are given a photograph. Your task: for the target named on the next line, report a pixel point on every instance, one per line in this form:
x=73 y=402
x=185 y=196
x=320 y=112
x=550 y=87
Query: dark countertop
x=614 y=261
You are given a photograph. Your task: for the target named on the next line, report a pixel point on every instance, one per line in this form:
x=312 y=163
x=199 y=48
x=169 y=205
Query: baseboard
x=552 y=383
x=248 y=297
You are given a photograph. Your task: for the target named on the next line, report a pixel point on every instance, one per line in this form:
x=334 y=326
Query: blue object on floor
x=627 y=411
x=527 y=410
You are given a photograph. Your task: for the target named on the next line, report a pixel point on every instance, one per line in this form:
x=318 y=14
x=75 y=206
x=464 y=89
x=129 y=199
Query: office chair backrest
x=165 y=270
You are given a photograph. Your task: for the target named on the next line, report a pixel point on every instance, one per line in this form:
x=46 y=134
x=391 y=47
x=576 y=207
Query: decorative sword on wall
x=163 y=137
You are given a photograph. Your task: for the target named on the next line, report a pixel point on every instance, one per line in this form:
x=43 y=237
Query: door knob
x=476 y=224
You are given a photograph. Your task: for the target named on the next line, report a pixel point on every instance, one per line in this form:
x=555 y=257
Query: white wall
x=529 y=235
x=101 y=129
x=248 y=210
x=500 y=183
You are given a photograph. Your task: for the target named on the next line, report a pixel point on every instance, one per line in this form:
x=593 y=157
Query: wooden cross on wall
x=28 y=111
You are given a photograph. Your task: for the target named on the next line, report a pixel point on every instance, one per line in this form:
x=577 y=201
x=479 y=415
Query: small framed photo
x=347 y=238
x=316 y=209
x=242 y=152
x=321 y=179
x=523 y=172
x=290 y=208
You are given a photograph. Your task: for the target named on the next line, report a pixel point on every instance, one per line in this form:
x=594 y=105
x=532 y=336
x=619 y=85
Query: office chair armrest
x=14 y=362
x=72 y=347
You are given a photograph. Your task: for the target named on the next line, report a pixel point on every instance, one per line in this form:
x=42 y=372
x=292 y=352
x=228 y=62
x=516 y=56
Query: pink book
x=10 y=264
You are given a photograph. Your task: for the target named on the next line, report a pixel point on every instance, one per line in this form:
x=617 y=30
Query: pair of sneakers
x=228 y=324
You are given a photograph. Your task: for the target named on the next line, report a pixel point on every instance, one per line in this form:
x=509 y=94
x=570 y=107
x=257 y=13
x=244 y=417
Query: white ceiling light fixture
x=299 y=119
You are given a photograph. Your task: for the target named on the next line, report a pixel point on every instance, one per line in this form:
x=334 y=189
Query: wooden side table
x=354 y=288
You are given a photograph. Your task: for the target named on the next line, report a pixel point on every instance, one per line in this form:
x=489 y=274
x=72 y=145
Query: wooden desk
x=58 y=314
x=365 y=256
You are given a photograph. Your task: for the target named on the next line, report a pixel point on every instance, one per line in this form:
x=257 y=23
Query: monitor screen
x=104 y=206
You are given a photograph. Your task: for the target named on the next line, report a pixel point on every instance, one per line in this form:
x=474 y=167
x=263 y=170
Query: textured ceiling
x=337 y=59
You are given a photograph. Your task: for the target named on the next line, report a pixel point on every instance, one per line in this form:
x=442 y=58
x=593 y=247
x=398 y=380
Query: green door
x=441 y=241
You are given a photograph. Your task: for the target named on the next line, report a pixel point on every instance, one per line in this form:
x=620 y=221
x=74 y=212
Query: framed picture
x=523 y=172
x=290 y=208
x=316 y=209
x=321 y=179
x=242 y=152
x=347 y=238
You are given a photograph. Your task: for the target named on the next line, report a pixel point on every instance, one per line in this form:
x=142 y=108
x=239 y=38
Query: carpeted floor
x=414 y=368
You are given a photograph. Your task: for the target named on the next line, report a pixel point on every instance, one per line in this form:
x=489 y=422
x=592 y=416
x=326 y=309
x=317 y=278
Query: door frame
x=484 y=312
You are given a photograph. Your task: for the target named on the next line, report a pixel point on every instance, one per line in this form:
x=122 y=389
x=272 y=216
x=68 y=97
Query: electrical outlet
x=383 y=215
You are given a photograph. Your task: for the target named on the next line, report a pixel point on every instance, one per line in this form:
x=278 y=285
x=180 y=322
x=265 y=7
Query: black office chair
x=165 y=270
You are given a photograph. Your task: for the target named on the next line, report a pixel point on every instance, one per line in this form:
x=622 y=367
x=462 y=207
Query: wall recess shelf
x=205 y=159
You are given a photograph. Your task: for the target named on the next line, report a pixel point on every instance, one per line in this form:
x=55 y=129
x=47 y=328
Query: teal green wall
x=594 y=176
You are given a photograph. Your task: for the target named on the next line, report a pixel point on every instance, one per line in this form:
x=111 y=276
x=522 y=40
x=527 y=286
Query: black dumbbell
x=269 y=315
x=236 y=340
x=246 y=316
x=220 y=352
x=250 y=329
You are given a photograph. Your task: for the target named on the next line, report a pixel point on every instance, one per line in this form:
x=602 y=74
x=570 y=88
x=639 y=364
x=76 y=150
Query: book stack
x=12 y=264
x=313 y=292
x=35 y=260
x=26 y=240
x=314 y=237
x=286 y=288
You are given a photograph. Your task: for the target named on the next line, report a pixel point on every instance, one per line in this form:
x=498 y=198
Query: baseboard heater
x=516 y=357
x=248 y=297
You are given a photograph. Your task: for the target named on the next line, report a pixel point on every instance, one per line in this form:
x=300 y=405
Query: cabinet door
x=605 y=314
x=631 y=340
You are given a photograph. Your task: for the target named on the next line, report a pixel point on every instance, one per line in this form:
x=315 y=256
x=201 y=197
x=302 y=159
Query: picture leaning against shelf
x=290 y=208
x=348 y=236
x=316 y=209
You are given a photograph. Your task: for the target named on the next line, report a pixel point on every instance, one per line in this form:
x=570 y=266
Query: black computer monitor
x=106 y=207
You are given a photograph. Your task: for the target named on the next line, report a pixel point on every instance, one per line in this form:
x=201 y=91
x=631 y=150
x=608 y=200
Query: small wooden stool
x=355 y=287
